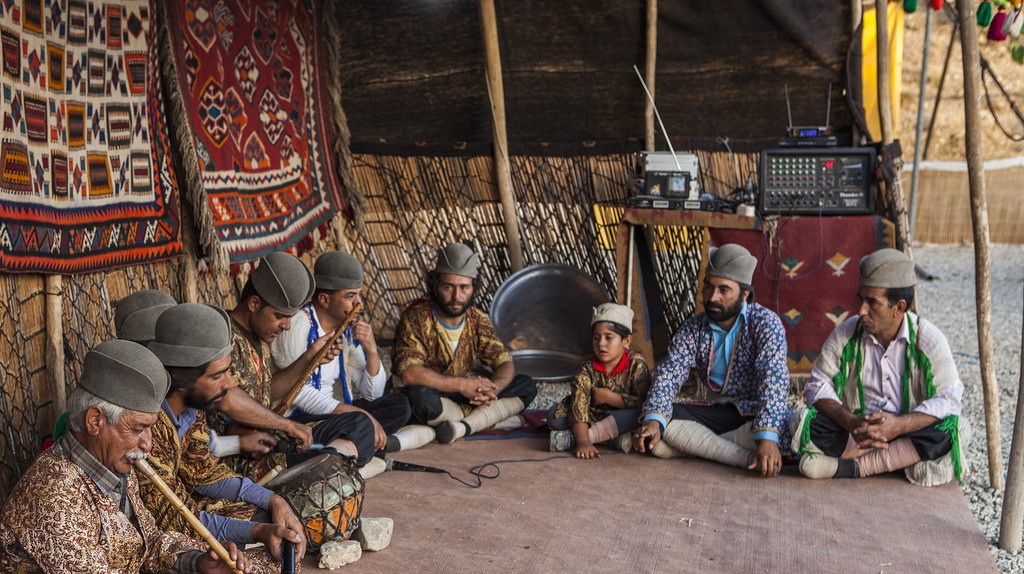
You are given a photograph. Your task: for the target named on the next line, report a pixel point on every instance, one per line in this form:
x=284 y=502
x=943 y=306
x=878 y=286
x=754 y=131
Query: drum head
x=298 y=470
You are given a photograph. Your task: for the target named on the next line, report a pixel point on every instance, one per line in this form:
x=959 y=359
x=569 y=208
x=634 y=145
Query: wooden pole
x=921 y=93
x=979 y=216
x=502 y=166
x=55 y=344
x=856 y=15
x=649 y=70
x=898 y=204
x=1012 y=520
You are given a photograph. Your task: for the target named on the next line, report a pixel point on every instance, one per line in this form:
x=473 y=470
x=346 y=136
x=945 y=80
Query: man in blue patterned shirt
x=730 y=363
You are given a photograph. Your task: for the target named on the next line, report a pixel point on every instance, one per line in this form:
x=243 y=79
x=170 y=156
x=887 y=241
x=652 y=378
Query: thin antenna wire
x=657 y=115
x=789 y=112
x=828 y=109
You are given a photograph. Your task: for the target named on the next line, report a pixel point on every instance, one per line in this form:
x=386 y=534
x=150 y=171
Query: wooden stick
x=979 y=216
x=55 y=343
x=285 y=403
x=1011 y=522
x=502 y=168
x=651 y=57
x=147 y=471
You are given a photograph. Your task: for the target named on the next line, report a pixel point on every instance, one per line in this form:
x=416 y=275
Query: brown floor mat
x=630 y=513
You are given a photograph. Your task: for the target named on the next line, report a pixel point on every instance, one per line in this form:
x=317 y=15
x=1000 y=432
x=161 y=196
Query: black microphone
x=287 y=556
x=399 y=465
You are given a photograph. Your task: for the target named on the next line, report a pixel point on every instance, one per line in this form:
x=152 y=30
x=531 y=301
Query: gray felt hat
x=888 y=269
x=125 y=374
x=283 y=282
x=613 y=313
x=135 y=315
x=191 y=335
x=337 y=270
x=732 y=262
x=458 y=259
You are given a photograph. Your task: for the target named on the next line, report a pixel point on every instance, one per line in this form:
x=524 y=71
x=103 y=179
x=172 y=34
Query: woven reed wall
x=943 y=211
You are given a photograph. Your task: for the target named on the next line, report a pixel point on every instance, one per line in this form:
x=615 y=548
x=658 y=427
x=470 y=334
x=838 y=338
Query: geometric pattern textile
x=808 y=272
x=254 y=122
x=86 y=182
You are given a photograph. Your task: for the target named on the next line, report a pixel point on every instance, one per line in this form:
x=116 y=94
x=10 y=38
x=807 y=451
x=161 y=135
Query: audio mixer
x=817 y=181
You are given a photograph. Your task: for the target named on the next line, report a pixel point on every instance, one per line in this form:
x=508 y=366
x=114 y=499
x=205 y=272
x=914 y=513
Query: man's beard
x=206 y=404
x=718 y=314
x=449 y=307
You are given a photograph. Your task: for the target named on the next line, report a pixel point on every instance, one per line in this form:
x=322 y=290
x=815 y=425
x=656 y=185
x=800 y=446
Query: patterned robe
x=60 y=518
x=418 y=341
x=758 y=379
x=632 y=382
x=185 y=464
x=250 y=367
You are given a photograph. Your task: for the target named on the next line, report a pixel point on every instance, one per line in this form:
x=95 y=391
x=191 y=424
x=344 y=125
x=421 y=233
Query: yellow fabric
x=869 y=69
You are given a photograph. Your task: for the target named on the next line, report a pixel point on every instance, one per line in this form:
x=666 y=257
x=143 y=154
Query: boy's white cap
x=613 y=313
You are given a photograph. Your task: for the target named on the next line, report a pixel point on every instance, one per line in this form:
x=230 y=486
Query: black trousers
x=355 y=427
x=426 y=402
x=391 y=411
x=930 y=442
x=720 y=418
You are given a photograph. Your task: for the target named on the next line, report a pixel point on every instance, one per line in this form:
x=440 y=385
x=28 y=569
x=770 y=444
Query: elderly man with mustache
x=732 y=360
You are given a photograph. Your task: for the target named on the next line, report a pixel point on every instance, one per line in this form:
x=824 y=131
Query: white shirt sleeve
x=291 y=344
x=369 y=387
x=819 y=387
x=315 y=402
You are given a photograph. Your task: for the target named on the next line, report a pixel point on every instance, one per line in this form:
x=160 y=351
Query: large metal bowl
x=546 y=366
x=547 y=308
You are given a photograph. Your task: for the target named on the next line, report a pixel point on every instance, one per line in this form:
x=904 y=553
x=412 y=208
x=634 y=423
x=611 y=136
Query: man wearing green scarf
x=884 y=393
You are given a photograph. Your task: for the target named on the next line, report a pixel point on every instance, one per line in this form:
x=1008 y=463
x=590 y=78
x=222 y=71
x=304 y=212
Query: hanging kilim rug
x=85 y=179
x=260 y=171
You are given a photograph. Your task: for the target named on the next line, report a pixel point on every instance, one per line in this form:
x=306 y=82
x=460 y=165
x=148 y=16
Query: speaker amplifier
x=817 y=181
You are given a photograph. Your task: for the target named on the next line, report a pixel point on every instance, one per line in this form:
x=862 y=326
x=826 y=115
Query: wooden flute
x=287 y=401
x=147 y=471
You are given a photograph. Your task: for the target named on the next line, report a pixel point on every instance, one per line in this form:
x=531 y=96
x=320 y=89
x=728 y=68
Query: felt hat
x=613 y=313
x=191 y=335
x=337 y=270
x=125 y=374
x=458 y=259
x=283 y=282
x=888 y=269
x=135 y=315
x=732 y=262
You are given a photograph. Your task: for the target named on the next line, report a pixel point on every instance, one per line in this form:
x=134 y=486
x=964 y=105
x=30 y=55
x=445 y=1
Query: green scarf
x=914 y=359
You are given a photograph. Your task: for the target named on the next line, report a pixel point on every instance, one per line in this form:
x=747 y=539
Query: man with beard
x=732 y=358
x=884 y=393
x=276 y=290
x=77 y=508
x=194 y=344
x=438 y=343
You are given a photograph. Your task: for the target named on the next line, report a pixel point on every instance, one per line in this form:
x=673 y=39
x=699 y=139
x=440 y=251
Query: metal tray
x=547 y=307
x=546 y=366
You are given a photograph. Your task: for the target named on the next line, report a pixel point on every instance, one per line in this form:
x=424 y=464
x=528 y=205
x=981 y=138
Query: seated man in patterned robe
x=734 y=357
x=438 y=343
x=77 y=508
x=193 y=342
x=276 y=290
x=884 y=393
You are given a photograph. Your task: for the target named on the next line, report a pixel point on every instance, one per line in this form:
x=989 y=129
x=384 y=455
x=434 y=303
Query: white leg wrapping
x=694 y=438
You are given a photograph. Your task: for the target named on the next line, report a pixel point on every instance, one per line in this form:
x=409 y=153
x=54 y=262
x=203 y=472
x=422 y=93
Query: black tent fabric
x=413 y=72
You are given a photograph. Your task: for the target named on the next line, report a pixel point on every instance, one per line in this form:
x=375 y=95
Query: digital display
x=829 y=164
x=808 y=132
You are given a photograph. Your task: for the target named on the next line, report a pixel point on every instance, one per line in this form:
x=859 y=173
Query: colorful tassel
x=1017 y=52
x=984 y=13
x=1012 y=25
x=995 y=29
x=910 y=6
x=935 y=4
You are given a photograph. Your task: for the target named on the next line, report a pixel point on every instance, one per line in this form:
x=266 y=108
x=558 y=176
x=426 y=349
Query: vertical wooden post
x=899 y=204
x=55 y=343
x=502 y=166
x=856 y=15
x=979 y=216
x=1012 y=520
x=649 y=71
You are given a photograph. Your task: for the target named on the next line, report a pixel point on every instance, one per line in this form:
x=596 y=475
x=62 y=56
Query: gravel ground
x=949 y=302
